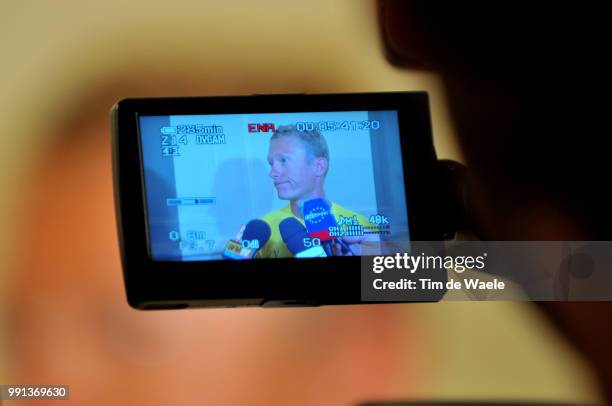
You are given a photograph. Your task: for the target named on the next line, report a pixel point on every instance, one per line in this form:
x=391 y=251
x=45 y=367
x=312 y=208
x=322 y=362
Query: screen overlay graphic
x=274 y=185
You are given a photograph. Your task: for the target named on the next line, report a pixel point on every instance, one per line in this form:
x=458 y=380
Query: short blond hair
x=313 y=141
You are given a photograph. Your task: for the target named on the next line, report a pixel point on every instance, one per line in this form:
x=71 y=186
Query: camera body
x=269 y=200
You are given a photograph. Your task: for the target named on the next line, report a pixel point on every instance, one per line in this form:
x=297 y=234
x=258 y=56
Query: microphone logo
x=316 y=215
x=319 y=219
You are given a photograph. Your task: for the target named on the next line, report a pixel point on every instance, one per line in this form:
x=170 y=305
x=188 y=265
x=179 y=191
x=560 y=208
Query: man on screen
x=299 y=162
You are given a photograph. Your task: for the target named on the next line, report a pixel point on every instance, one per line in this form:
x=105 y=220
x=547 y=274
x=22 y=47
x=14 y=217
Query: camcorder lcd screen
x=228 y=187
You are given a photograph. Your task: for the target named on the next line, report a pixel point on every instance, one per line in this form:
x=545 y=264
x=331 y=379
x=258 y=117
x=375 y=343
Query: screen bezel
x=284 y=281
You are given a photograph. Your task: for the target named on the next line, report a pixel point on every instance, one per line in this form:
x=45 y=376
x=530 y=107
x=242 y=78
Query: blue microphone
x=297 y=240
x=319 y=220
x=256 y=234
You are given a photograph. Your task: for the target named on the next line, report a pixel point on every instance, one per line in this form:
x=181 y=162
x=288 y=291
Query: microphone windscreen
x=293 y=234
x=318 y=218
x=257 y=230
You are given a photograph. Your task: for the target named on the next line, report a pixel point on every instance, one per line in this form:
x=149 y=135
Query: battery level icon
x=169 y=130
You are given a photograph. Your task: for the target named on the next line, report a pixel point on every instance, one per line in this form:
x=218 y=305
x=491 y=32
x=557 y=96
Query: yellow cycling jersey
x=276 y=248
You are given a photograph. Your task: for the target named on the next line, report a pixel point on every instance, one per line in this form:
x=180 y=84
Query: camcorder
x=270 y=200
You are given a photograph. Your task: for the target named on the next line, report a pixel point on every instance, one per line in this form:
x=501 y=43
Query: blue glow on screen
x=206 y=176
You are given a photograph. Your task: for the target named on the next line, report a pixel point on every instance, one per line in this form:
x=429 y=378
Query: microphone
x=296 y=238
x=319 y=219
x=233 y=250
x=255 y=235
x=257 y=232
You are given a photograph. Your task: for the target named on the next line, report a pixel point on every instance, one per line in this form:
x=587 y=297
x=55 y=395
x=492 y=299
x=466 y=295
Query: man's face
x=294 y=175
